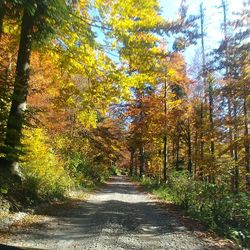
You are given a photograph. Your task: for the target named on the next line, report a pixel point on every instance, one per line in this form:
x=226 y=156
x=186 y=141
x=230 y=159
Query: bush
x=84 y=171
x=114 y=170
x=43 y=170
x=212 y=204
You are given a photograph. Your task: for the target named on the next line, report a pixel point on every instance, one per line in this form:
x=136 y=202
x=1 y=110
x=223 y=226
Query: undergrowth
x=223 y=212
x=49 y=172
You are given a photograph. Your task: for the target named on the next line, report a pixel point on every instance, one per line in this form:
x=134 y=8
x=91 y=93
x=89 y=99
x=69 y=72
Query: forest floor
x=119 y=216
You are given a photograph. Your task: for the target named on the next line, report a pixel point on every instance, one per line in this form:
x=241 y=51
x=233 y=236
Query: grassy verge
x=222 y=212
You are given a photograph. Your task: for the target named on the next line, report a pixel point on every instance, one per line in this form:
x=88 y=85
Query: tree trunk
x=211 y=121
x=201 y=139
x=177 y=164
x=2 y=14
x=136 y=165
x=18 y=105
x=246 y=142
x=165 y=158
x=131 y=163
x=227 y=74
x=142 y=160
x=231 y=143
x=190 y=164
x=165 y=139
x=204 y=75
x=236 y=166
x=196 y=153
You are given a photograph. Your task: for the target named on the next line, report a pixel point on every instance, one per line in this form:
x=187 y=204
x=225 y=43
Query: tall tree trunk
x=165 y=158
x=18 y=105
x=204 y=75
x=236 y=166
x=165 y=142
x=2 y=14
x=177 y=164
x=201 y=140
x=173 y=151
x=131 y=163
x=231 y=143
x=190 y=164
x=227 y=76
x=211 y=122
x=140 y=95
x=142 y=160
x=196 y=153
x=136 y=165
x=246 y=144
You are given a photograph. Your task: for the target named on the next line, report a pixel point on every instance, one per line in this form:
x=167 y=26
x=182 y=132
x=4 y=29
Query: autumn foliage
x=89 y=86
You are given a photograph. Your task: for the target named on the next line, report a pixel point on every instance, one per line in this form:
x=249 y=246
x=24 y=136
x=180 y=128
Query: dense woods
x=89 y=87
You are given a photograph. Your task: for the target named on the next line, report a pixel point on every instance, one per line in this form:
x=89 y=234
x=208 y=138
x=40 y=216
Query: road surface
x=119 y=216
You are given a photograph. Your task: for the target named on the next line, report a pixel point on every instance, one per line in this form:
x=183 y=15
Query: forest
x=101 y=87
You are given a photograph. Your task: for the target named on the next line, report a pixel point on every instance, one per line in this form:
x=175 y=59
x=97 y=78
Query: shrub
x=43 y=170
x=212 y=204
x=84 y=171
x=114 y=170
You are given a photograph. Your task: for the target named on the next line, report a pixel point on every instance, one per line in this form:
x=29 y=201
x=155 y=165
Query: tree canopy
x=86 y=86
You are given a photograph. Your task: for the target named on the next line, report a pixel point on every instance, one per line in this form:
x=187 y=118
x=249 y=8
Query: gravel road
x=117 y=217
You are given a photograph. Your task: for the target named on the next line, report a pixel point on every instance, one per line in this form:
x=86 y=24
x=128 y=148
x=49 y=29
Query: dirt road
x=117 y=217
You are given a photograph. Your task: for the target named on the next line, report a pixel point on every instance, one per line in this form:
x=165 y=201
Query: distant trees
x=204 y=121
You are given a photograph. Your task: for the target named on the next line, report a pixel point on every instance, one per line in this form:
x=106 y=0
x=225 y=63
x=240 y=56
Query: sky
x=213 y=18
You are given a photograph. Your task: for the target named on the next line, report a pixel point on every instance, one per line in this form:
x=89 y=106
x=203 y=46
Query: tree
x=34 y=24
x=2 y=14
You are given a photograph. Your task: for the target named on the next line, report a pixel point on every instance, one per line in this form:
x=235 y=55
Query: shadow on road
x=88 y=218
x=119 y=210
x=6 y=247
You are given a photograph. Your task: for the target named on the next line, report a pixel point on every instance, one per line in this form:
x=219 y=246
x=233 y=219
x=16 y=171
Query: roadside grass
x=221 y=212
x=159 y=190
